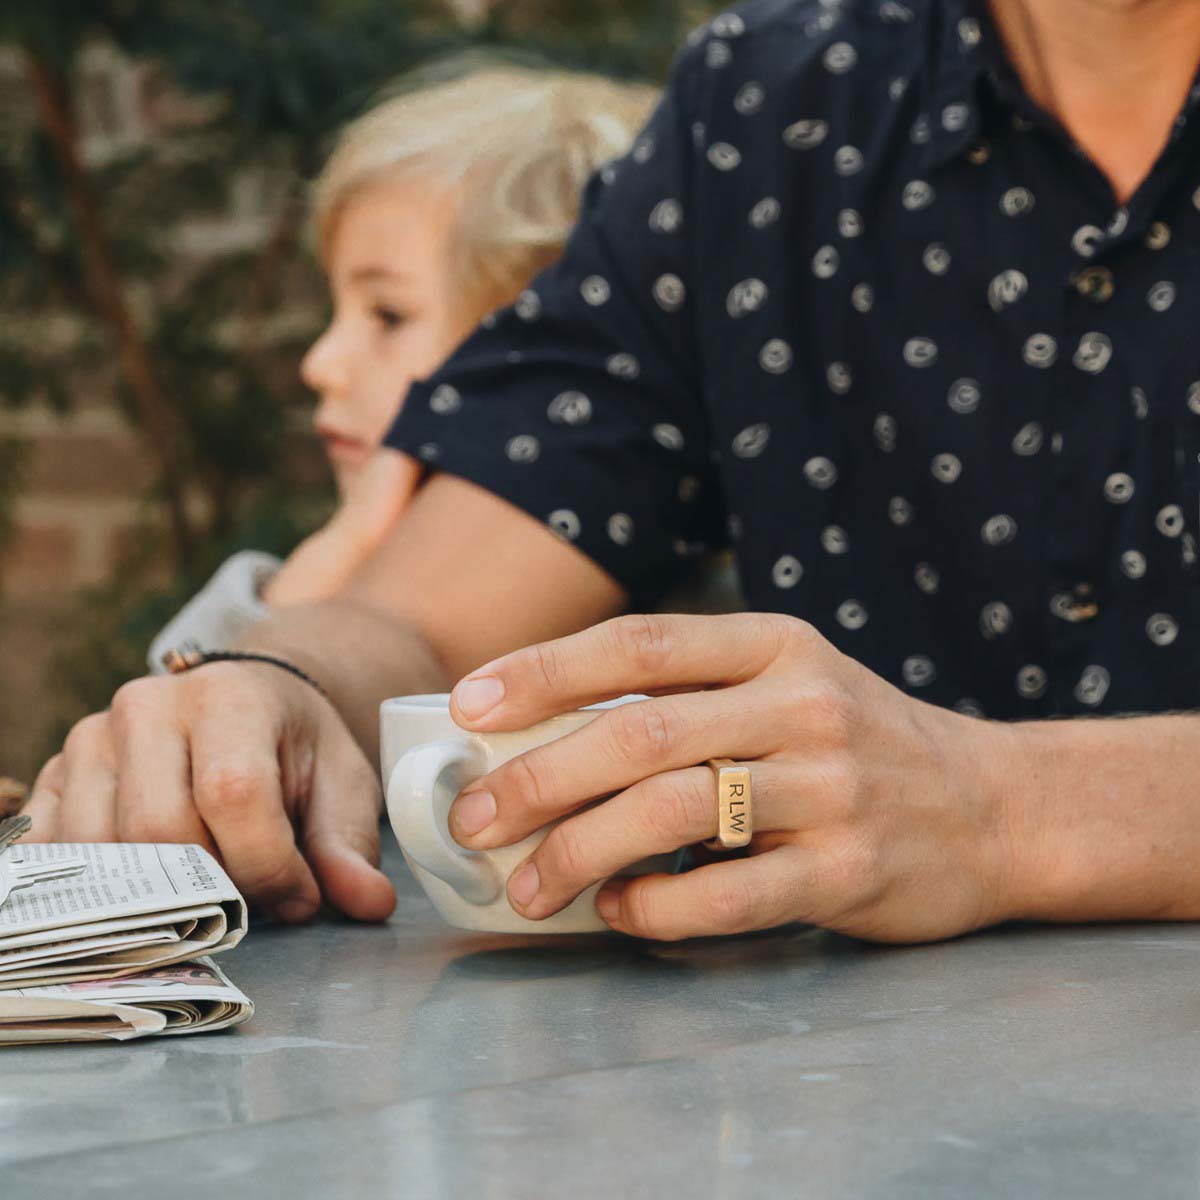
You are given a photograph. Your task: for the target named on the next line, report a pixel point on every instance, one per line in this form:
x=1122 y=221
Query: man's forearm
x=359 y=656
x=1103 y=817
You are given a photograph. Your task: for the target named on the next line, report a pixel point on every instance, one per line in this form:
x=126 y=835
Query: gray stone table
x=414 y=1060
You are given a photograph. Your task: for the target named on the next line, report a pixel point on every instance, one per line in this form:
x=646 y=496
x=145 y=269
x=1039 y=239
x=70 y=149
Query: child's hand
x=372 y=501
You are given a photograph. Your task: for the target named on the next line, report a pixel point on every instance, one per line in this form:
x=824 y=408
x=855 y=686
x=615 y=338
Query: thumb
x=341 y=835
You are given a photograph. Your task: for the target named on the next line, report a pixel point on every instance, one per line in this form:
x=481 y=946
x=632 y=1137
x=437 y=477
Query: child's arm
x=324 y=561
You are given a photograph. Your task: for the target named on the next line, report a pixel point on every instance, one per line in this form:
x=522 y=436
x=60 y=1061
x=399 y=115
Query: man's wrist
x=986 y=771
x=1101 y=816
x=179 y=660
x=1024 y=781
x=357 y=655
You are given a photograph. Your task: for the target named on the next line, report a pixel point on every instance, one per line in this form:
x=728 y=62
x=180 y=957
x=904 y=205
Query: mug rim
x=440 y=702
x=425 y=702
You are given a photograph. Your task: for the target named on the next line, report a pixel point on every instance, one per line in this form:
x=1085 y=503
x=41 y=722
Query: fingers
x=238 y=790
x=734 y=896
x=628 y=654
x=621 y=746
x=373 y=503
x=341 y=830
x=384 y=488
x=42 y=807
x=87 y=805
x=656 y=816
x=198 y=759
x=153 y=770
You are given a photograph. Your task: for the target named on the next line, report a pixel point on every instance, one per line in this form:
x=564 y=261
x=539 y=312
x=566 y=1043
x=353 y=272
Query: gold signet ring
x=735 y=809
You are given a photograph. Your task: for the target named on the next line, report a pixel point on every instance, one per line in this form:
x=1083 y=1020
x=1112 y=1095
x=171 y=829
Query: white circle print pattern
x=670 y=292
x=787 y=571
x=595 y=290
x=445 y=400
x=524 y=448
x=570 y=408
x=923 y=374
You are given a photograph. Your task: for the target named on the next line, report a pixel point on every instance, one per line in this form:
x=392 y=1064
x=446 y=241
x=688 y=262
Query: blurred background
x=158 y=287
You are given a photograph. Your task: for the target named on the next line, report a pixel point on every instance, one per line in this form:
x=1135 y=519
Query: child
x=436 y=207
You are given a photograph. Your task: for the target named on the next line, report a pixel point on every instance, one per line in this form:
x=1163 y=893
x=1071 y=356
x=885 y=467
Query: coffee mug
x=427 y=760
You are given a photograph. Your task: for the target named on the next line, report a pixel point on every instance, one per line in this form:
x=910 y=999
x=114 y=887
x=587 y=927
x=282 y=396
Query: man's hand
x=874 y=814
x=241 y=758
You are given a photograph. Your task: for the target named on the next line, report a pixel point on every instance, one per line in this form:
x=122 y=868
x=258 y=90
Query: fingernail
x=524 y=884
x=478 y=696
x=473 y=812
x=608 y=902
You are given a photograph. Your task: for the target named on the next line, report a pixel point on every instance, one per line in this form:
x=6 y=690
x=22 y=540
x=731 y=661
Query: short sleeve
x=582 y=402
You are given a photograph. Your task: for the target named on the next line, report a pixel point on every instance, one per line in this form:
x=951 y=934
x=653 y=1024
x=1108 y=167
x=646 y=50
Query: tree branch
x=54 y=264
x=54 y=106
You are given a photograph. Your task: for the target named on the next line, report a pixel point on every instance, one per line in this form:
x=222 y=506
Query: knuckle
x=363 y=841
x=796 y=696
x=49 y=774
x=643 y=640
x=827 y=714
x=638 y=912
x=731 y=906
x=146 y=824
x=772 y=630
x=682 y=811
x=644 y=729
x=564 y=853
x=795 y=635
x=226 y=789
x=548 y=667
x=85 y=735
x=841 y=780
x=136 y=697
x=524 y=780
x=271 y=875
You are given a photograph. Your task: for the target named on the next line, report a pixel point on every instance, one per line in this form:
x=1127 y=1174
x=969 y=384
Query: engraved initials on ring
x=735 y=811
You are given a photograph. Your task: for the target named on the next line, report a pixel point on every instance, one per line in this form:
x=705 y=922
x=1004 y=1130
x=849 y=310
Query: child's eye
x=389 y=318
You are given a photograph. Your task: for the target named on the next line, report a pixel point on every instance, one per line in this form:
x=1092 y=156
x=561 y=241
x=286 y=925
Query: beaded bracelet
x=187 y=658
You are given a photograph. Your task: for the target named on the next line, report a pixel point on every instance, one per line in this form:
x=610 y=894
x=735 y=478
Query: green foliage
x=236 y=90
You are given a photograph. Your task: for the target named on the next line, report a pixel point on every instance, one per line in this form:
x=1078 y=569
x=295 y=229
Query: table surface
x=412 y=1059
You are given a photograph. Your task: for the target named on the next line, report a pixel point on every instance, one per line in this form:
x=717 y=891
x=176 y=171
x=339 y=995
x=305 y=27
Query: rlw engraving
x=735 y=821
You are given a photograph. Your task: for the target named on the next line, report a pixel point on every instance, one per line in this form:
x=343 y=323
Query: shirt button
x=1095 y=284
x=1074 y=606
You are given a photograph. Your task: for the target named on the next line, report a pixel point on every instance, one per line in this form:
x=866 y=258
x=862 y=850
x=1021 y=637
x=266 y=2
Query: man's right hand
x=241 y=758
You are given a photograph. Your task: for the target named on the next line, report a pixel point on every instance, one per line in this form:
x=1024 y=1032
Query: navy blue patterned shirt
x=855 y=306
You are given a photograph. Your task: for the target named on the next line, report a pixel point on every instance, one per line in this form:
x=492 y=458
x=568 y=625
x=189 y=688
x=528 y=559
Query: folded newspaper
x=116 y=952
x=135 y=907
x=183 y=998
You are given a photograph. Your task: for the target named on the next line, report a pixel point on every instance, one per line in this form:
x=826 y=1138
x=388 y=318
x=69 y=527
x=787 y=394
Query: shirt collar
x=963 y=50
x=964 y=57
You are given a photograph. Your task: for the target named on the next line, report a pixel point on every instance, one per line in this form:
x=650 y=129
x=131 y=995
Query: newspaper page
x=135 y=907
x=186 y=997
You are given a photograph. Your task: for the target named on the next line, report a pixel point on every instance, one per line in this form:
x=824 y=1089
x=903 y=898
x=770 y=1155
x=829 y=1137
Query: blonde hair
x=514 y=144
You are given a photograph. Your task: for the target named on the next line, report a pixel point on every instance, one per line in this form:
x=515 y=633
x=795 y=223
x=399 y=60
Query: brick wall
x=87 y=471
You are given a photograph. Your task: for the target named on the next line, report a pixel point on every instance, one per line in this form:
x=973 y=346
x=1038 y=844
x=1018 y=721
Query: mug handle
x=418 y=807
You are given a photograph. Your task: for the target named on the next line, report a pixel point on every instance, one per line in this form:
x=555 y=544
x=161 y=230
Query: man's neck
x=1114 y=72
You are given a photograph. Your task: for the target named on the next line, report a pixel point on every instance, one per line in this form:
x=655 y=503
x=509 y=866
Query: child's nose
x=324 y=366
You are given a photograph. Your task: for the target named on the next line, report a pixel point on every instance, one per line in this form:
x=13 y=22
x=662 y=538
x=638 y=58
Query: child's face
x=394 y=316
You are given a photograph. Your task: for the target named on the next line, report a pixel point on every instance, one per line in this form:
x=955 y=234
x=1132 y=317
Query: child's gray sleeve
x=221 y=610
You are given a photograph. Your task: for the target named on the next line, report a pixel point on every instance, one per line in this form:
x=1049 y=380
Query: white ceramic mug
x=427 y=760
